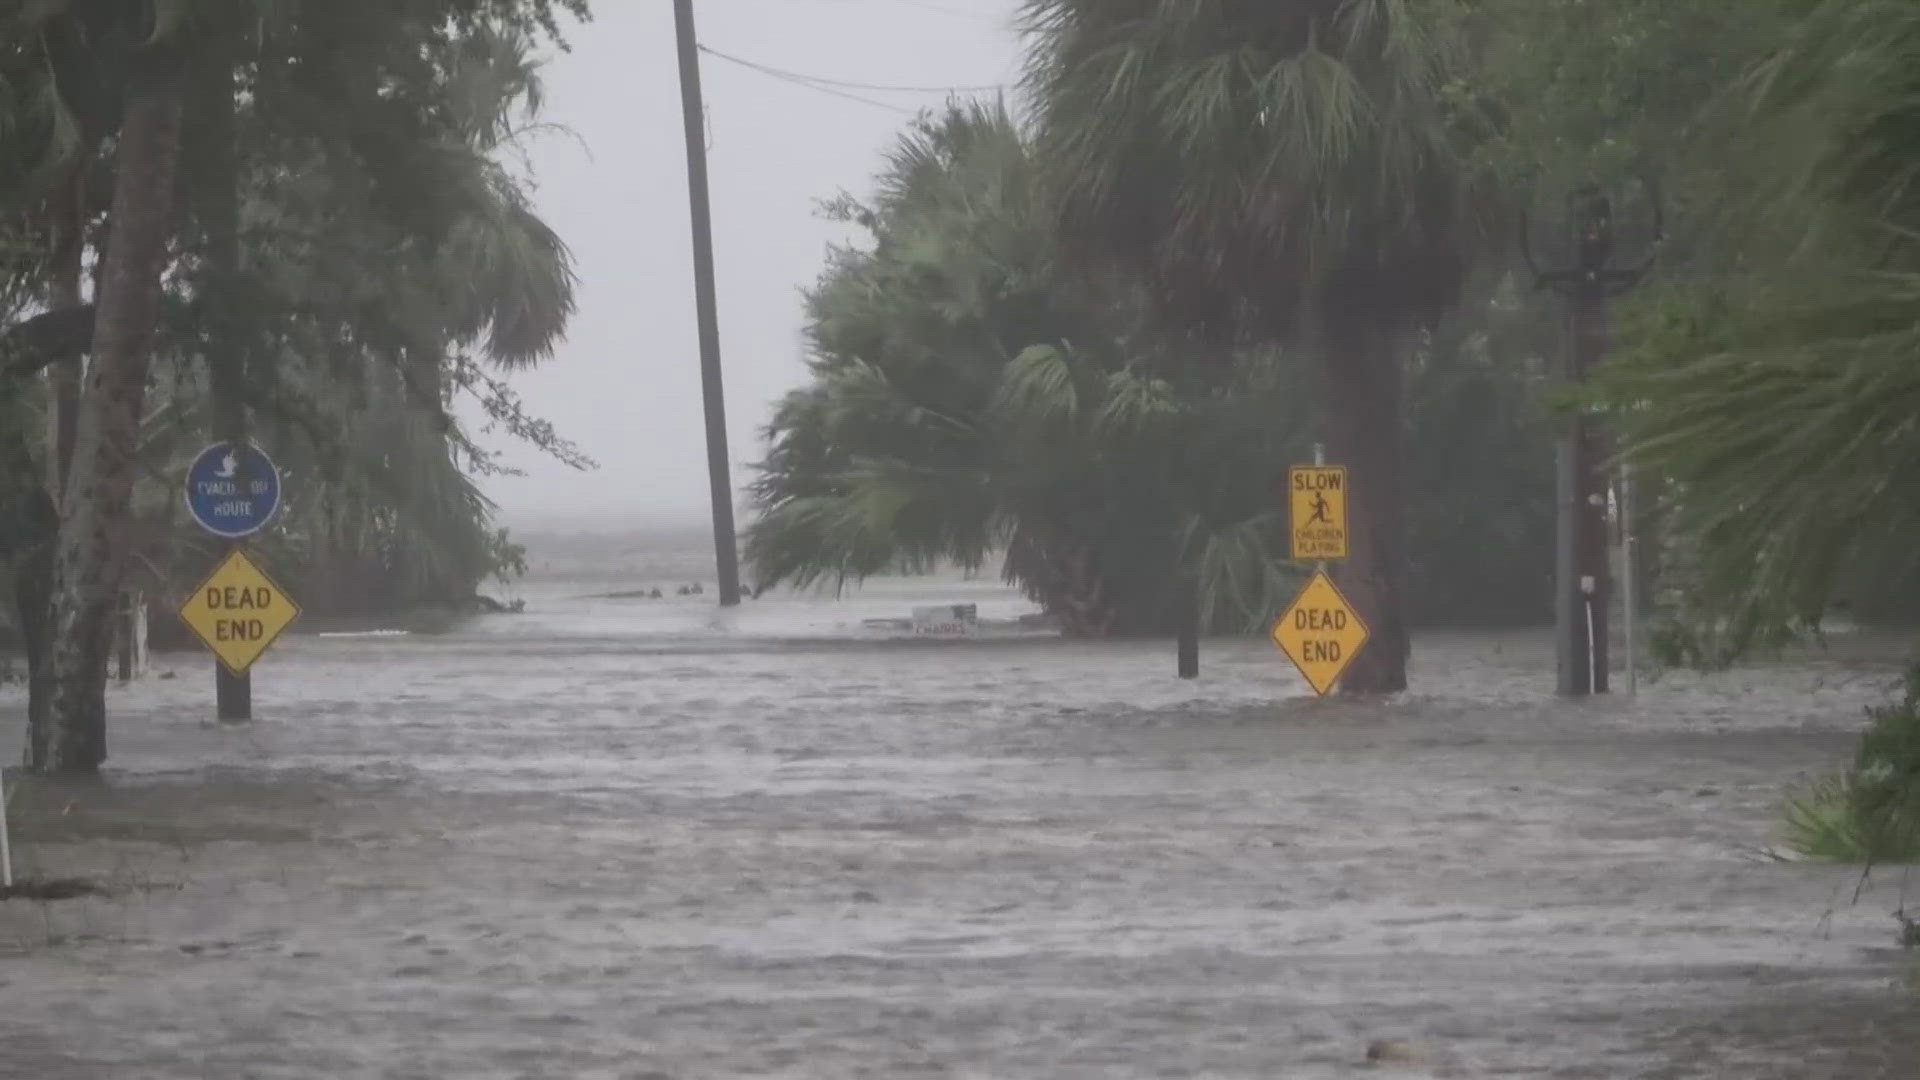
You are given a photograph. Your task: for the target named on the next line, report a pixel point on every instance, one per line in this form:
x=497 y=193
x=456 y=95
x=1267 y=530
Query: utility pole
x=725 y=550
x=1582 y=580
x=1629 y=540
x=1584 y=586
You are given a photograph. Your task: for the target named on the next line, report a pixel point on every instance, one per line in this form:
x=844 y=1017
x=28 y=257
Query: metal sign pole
x=232 y=694
x=232 y=490
x=1320 y=458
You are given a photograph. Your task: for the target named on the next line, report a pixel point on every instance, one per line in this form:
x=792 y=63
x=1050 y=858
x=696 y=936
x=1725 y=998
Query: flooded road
x=649 y=839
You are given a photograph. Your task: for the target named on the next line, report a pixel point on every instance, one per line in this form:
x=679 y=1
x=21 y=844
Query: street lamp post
x=1582 y=581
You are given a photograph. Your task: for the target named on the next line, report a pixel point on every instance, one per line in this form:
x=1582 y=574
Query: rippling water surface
x=634 y=838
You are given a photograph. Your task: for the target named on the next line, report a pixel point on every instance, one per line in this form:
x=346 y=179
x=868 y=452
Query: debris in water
x=52 y=889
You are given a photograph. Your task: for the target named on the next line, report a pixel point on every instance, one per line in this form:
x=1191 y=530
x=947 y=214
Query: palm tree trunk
x=96 y=504
x=1364 y=430
x=33 y=573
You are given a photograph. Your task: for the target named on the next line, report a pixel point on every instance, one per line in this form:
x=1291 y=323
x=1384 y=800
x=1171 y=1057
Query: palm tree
x=968 y=400
x=94 y=505
x=1277 y=172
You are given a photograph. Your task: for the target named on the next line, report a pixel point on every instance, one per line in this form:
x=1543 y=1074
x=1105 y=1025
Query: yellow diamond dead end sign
x=238 y=611
x=1317 y=497
x=1320 y=632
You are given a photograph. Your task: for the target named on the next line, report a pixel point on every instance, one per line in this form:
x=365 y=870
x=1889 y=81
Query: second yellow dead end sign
x=1320 y=632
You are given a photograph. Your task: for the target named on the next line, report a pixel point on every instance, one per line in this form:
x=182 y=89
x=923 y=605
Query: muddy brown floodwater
x=607 y=840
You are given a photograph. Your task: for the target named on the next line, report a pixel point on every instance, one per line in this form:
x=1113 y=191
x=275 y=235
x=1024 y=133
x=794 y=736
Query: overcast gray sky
x=626 y=385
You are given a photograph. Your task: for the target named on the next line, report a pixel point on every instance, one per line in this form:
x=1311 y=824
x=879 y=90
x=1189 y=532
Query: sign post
x=232 y=490
x=1320 y=631
x=6 y=845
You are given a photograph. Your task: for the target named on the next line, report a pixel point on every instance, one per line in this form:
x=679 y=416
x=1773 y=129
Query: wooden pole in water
x=1189 y=645
x=726 y=552
x=1631 y=583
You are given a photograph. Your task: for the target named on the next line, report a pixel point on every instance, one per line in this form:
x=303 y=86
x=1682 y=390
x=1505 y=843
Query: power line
x=801 y=81
x=816 y=80
x=930 y=5
x=958 y=13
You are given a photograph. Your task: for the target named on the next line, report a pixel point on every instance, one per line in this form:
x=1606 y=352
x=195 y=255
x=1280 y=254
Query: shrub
x=1871 y=812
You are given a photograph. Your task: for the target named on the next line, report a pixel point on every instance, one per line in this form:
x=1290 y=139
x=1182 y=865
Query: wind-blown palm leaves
x=1279 y=172
x=1782 y=398
x=375 y=325
x=968 y=399
x=1267 y=166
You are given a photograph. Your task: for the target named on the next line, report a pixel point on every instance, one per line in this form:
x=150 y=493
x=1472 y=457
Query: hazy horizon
x=625 y=384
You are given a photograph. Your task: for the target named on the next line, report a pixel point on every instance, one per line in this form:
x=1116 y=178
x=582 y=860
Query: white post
x=1628 y=541
x=142 y=659
x=6 y=849
x=1593 y=677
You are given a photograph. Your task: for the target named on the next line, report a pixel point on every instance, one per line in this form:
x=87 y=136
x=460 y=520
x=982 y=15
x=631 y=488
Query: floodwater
x=632 y=838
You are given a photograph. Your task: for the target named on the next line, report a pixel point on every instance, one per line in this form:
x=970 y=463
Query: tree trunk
x=33 y=600
x=1364 y=434
x=68 y=211
x=96 y=504
x=28 y=528
x=1187 y=632
x=33 y=507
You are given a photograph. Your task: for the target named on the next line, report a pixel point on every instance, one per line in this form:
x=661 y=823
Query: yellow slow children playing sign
x=1317 y=497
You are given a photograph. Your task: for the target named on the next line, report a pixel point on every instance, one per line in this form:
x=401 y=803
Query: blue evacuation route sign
x=232 y=490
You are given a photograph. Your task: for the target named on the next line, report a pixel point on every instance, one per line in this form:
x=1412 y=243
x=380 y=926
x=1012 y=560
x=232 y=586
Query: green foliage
x=389 y=261
x=1776 y=390
x=1826 y=823
x=1264 y=168
x=1279 y=175
x=970 y=399
x=1480 y=476
x=1870 y=813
